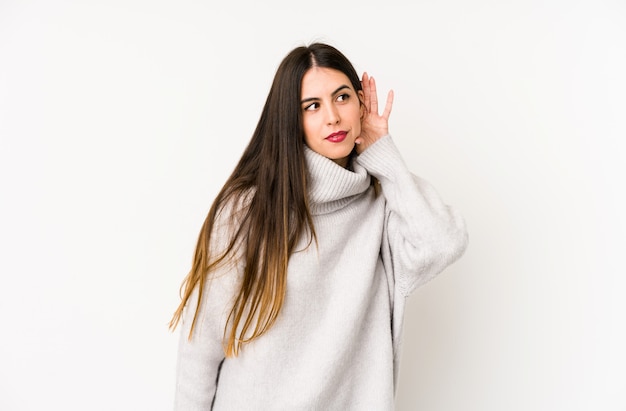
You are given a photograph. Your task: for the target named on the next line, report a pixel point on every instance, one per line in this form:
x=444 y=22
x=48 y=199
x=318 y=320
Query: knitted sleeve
x=422 y=233
x=200 y=358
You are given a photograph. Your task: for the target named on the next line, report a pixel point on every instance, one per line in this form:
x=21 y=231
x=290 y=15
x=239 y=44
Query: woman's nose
x=332 y=115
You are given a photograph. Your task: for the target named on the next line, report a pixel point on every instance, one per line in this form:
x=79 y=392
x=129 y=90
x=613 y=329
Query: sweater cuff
x=382 y=159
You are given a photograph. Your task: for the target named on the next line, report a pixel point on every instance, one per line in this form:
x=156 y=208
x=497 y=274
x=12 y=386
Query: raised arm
x=423 y=235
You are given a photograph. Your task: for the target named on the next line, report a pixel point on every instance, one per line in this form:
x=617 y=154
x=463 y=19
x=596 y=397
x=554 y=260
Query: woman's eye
x=312 y=106
x=343 y=97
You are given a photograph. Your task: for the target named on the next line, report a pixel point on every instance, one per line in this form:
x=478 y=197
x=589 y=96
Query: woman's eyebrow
x=306 y=100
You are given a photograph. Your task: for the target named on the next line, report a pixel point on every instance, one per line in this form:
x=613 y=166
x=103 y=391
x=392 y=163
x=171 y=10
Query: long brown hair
x=272 y=168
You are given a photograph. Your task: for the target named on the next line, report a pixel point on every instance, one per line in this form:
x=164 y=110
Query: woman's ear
x=362 y=104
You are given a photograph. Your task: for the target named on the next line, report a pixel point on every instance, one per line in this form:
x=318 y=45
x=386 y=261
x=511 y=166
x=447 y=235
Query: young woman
x=296 y=295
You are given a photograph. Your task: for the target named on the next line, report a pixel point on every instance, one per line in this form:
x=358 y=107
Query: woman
x=296 y=295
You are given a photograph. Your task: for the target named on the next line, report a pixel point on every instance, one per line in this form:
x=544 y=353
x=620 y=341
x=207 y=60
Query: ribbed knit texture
x=332 y=187
x=336 y=342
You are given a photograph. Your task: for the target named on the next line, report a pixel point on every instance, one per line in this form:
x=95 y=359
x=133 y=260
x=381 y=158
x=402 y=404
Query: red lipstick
x=337 y=137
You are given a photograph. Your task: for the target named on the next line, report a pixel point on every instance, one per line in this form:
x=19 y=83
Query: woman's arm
x=423 y=235
x=200 y=357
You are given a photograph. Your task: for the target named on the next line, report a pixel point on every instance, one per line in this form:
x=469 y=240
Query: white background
x=120 y=120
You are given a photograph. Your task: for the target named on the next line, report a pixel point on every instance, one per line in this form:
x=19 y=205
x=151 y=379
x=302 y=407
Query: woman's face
x=331 y=113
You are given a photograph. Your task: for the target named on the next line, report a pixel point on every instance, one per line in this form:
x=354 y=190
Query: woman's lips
x=337 y=137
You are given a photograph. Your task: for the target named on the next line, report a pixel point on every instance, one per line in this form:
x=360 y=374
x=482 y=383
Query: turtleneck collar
x=330 y=186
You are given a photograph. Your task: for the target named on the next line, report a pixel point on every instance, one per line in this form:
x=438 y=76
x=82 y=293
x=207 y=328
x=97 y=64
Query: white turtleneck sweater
x=336 y=342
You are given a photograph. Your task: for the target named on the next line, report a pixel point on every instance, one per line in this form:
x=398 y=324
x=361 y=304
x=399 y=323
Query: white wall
x=119 y=120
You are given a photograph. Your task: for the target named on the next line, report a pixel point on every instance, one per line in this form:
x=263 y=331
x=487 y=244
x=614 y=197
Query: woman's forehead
x=321 y=81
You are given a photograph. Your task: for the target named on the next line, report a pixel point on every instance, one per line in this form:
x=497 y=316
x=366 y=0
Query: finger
x=388 y=104
x=373 y=96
